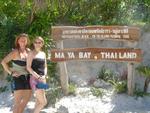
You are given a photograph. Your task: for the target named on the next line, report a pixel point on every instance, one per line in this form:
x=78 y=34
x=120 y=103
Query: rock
x=79 y=81
x=101 y=84
x=140 y=100
x=83 y=91
x=62 y=109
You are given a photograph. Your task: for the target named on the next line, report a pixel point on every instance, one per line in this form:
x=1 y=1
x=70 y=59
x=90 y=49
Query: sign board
x=113 y=54
x=123 y=33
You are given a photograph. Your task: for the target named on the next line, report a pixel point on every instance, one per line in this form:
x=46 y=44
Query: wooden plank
x=130 y=79
x=123 y=33
x=112 y=54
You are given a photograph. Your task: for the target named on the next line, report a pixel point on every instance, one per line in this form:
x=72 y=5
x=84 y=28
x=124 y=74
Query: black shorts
x=21 y=83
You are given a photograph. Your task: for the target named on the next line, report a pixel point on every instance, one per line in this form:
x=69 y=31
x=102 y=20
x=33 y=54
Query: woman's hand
x=15 y=74
x=42 y=79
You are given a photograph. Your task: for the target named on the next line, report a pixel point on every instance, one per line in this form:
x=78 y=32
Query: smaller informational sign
x=124 y=33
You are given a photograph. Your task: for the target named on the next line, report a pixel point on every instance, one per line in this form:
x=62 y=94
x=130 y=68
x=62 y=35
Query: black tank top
x=38 y=65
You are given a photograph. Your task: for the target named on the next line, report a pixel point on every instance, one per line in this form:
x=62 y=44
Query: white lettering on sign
x=71 y=55
x=59 y=55
x=108 y=55
x=84 y=54
x=84 y=36
x=123 y=33
x=127 y=55
x=120 y=31
x=114 y=55
x=84 y=31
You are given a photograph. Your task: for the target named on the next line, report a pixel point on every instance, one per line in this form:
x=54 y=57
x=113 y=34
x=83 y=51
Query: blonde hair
x=18 y=37
x=39 y=38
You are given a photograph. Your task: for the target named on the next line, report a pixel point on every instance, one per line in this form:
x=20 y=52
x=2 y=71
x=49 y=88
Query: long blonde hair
x=41 y=39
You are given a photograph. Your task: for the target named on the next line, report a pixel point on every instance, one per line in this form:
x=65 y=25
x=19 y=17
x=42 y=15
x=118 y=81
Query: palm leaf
x=144 y=70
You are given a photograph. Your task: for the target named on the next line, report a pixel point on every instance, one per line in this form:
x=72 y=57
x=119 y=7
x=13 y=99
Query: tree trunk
x=146 y=84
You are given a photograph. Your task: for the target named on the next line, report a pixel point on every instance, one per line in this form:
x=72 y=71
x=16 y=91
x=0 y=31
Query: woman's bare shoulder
x=11 y=55
x=13 y=52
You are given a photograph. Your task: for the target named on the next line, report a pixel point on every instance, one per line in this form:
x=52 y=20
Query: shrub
x=98 y=92
x=72 y=88
x=145 y=71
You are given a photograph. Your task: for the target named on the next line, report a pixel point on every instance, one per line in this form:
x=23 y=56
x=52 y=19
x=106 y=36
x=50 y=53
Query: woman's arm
x=6 y=60
x=29 y=63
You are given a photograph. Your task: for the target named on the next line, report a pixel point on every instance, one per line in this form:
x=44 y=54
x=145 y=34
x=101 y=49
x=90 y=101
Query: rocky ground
x=85 y=102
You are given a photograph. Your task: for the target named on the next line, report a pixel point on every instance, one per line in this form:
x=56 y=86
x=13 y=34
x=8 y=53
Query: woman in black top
x=37 y=67
x=22 y=90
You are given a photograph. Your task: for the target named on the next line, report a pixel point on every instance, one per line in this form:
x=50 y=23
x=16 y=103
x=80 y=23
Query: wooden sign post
x=130 y=78
x=63 y=71
x=121 y=33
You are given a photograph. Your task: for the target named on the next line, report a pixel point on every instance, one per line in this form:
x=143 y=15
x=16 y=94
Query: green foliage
x=12 y=22
x=6 y=87
x=1 y=70
x=55 y=91
x=144 y=70
x=53 y=95
x=106 y=74
x=85 y=12
x=72 y=88
x=139 y=93
x=53 y=77
x=3 y=89
x=98 y=92
x=120 y=86
x=142 y=11
x=9 y=78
